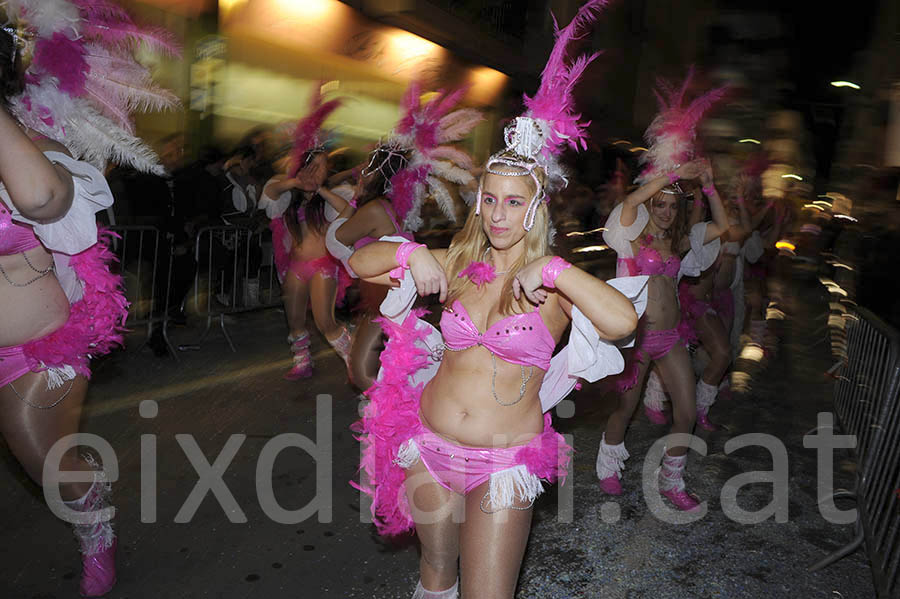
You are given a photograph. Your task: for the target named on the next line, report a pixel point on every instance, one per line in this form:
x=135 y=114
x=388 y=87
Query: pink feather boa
x=96 y=321
x=547 y=456
x=391 y=419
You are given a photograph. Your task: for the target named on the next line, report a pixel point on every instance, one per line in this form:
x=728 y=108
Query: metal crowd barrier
x=867 y=403
x=864 y=381
x=224 y=280
x=137 y=249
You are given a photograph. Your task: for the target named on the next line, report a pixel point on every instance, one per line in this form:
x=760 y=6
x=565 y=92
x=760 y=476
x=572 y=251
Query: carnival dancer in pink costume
x=67 y=75
x=301 y=209
x=708 y=301
x=454 y=439
x=650 y=242
x=401 y=172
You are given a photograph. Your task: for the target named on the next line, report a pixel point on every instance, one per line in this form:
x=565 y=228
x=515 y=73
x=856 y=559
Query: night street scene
x=442 y=299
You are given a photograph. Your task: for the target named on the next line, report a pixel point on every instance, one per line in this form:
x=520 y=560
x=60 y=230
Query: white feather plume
x=94 y=137
x=442 y=196
x=454 y=174
x=455 y=155
x=458 y=124
x=46 y=16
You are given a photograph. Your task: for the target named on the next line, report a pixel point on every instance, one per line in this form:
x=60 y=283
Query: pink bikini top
x=649 y=262
x=397 y=228
x=14 y=238
x=519 y=339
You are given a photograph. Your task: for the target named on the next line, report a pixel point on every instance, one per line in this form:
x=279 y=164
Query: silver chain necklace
x=483 y=259
x=437 y=355
x=521 y=389
x=37 y=270
x=41 y=273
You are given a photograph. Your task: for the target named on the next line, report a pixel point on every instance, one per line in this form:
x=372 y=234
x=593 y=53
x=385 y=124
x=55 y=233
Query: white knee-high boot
x=96 y=539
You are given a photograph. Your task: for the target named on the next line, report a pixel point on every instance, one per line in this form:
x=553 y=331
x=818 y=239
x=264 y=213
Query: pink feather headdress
x=83 y=83
x=306 y=135
x=672 y=134
x=422 y=136
x=550 y=124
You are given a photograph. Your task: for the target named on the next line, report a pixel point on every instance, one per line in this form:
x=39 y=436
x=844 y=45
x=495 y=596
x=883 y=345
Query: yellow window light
x=792 y=176
x=813 y=207
x=638 y=149
x=849 y=84
x=308 y=9
x=622 y=141
x=749 y=140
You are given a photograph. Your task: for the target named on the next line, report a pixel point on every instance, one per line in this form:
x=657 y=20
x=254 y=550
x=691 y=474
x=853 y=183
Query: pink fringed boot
x=302 y=367
x=610 y=463
x=706 y=397
x=671 y=483
x=96 y=539
x=451 y=593
x=655 y=400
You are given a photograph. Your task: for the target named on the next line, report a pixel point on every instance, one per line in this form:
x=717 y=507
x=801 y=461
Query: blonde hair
x=470 y=244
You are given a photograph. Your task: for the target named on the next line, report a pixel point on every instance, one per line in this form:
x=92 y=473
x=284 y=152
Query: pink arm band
x=551 y=271
x=709 y=191
x=673 y=177
x=402 y=256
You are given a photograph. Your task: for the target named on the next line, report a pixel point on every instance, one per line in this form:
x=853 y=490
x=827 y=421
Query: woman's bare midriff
x=33 y=311
x=312 y=246
x=662 y=311
x=458 y=404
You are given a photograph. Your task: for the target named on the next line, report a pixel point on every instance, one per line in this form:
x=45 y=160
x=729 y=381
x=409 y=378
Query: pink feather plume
x=307 y=132
x=671 y=135
x=554 y=101
x=113 y=26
